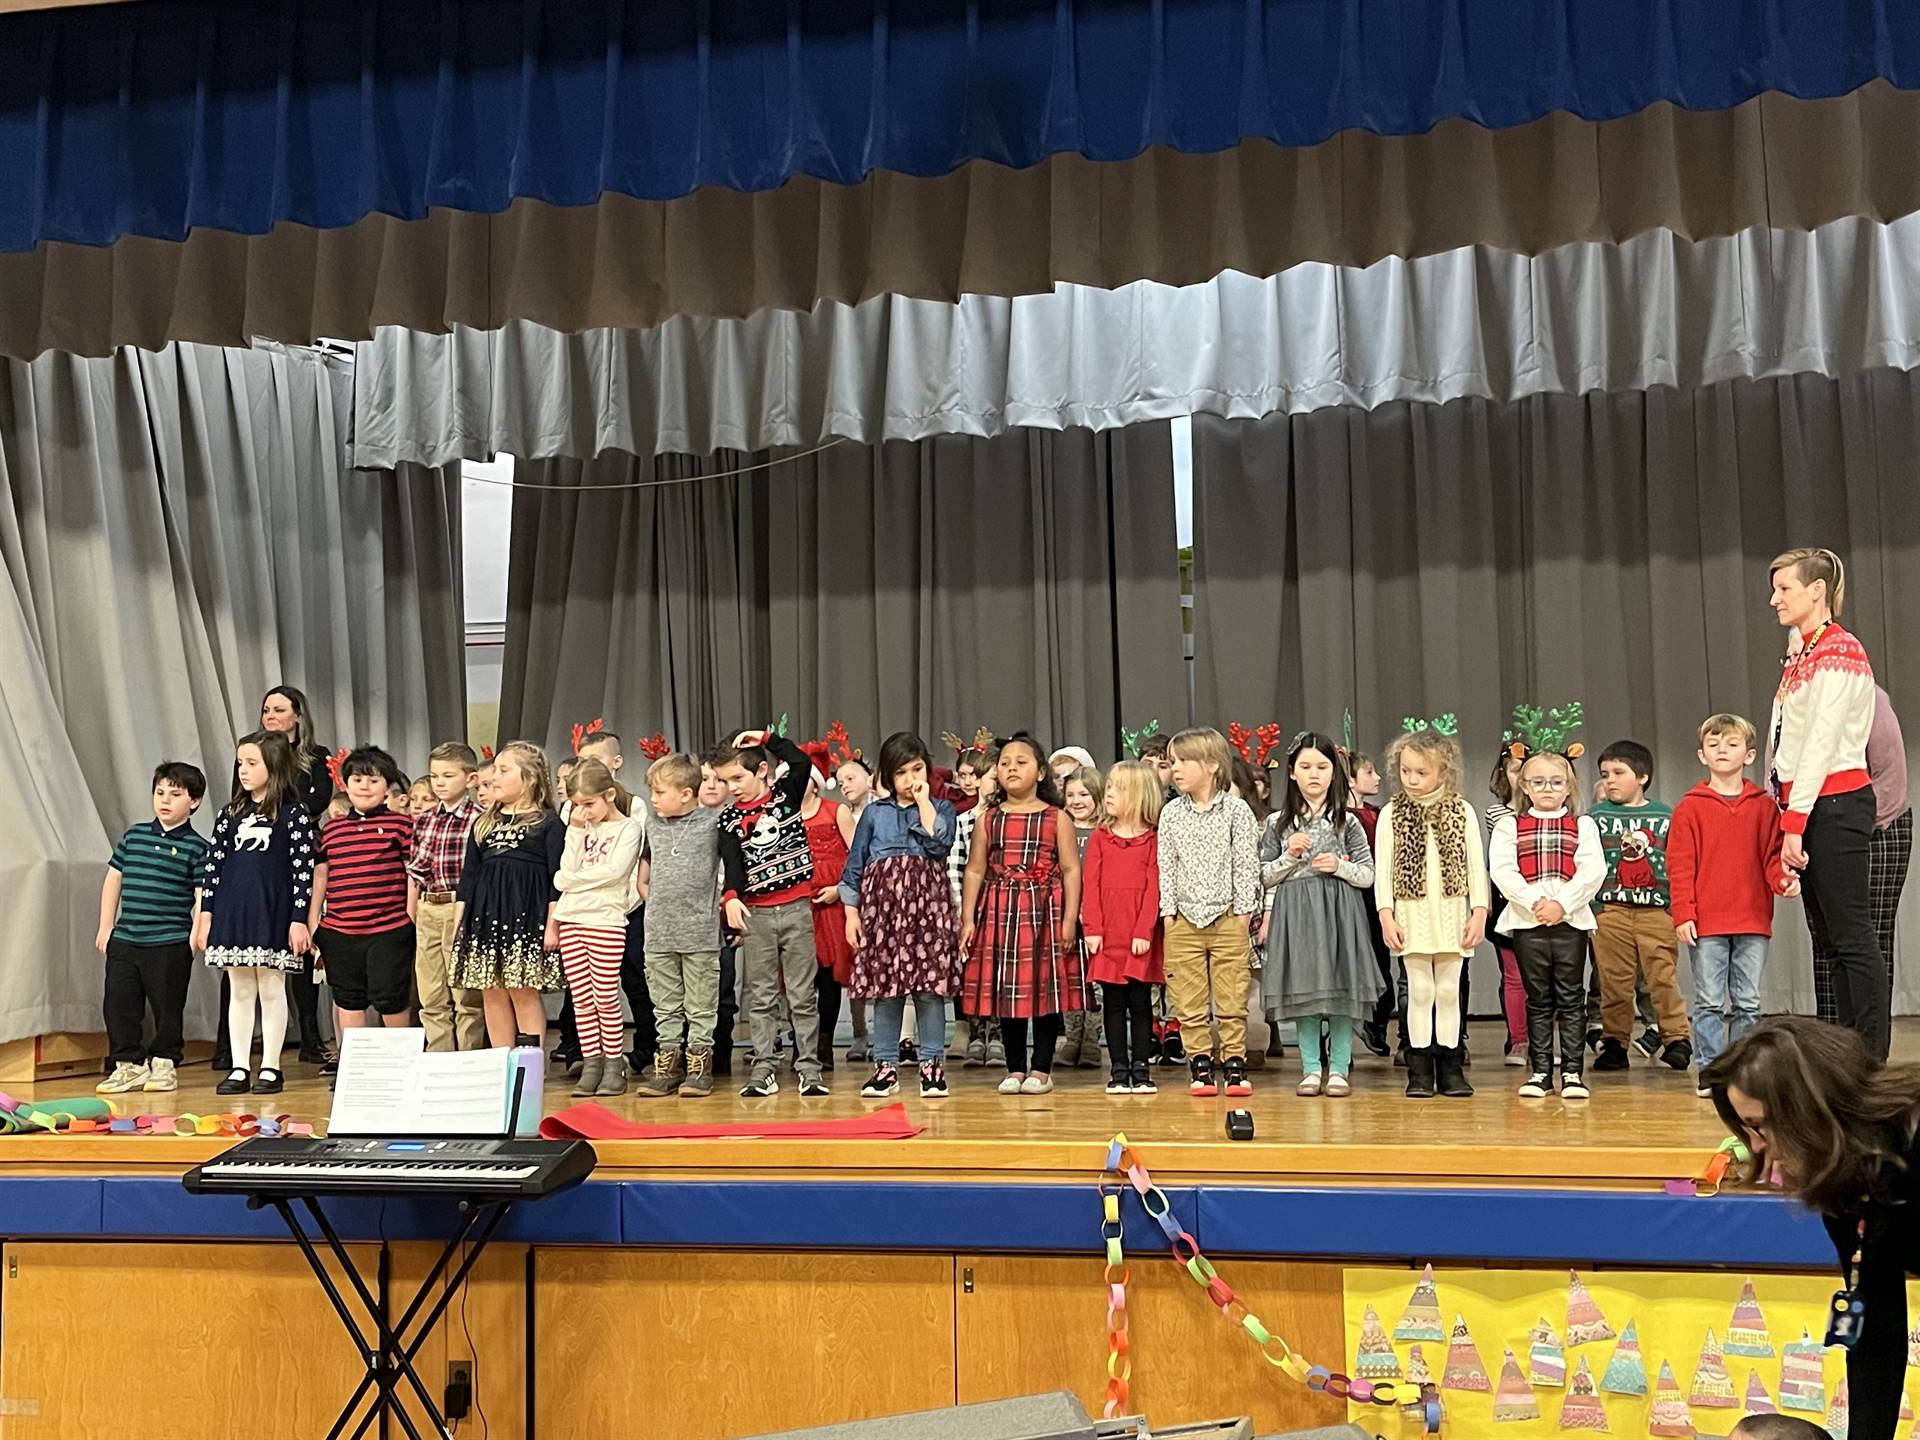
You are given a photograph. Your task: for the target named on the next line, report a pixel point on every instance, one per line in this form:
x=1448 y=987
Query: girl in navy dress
x=505 y=942
x=255 y=901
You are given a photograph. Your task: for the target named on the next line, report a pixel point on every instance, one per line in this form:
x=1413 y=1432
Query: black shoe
x=1647 y=1042
x=909 y=1053
x=1173 y=1050
x=1449 y=1074
x=933 y=1080
x=271 y=1082
x=1233 y=1076
x=1400 y=1057
x=1153 y=1051
x=223 y=1060
x=1120 y=1082
x=1143 y=1081
x=238 y=1082
x=1678 y=1055
x=1612 y=1056
x=1420 y=1067
x=825 y=1056
x=884 y=1082
x=312 y=1052
x=1593 y=1039
x=1374 y=1037
x=1200 y=1068
x=761 y=1083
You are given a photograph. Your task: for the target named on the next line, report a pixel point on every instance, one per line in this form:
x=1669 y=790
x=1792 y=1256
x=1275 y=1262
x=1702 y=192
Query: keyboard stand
x=389 y=1357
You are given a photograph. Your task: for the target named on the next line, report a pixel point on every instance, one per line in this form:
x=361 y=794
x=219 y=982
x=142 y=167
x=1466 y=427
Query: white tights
x=266 y=987
x=1433 y=1000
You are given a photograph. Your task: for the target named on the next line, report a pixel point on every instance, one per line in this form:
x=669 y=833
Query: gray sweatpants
x=778 y=948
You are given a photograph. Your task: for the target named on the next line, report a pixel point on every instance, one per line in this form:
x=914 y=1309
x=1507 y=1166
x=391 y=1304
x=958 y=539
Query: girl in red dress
x=829 y=828
x=1021 y=906
x=1120 y=919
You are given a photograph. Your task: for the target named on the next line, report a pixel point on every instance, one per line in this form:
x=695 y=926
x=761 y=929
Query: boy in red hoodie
x=1723 y=870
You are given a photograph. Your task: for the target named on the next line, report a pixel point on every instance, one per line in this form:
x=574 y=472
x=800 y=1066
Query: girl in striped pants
x=605 y=834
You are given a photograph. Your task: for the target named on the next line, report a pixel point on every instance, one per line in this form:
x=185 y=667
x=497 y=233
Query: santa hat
x=1081 y=757
x=822 y=758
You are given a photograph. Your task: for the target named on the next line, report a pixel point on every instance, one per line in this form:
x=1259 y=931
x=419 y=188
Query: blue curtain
x=237 y=115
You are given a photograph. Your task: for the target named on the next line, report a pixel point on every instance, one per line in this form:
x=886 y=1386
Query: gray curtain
x=1610 y=548
x=178 y=531
x=1027 y=581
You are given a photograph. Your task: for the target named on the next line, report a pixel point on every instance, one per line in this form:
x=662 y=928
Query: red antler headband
x=654 y=746
x=337 y=762
x=584 y=733
x=840 y=746
x=1269 y=737
x=1241 y=739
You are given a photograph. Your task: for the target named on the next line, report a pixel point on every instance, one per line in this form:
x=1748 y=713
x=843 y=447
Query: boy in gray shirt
x=683 y=928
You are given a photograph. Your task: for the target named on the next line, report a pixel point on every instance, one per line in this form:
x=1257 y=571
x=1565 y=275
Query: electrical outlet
x=459 y=1397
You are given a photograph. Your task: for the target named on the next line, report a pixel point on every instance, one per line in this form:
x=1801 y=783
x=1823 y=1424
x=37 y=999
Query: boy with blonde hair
x=439 y=849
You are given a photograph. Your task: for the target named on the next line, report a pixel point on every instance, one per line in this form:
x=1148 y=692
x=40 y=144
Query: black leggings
x=1129 y=1008
x=1046 y=1032
x=1553 y=968
x=827 y=991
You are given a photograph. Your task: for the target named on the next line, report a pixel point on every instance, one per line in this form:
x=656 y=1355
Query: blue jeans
x=930 y=1020
x=1726 y=971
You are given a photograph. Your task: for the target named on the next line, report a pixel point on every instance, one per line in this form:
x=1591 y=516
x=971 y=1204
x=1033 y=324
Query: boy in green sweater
x=1634 y=925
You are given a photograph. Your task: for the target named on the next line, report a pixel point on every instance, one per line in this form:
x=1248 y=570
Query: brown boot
x=665 y=1076
x=699 y=1081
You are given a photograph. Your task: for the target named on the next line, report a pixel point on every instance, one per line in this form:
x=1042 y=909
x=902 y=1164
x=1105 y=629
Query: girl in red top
x=1120 y=918
x=829 y=827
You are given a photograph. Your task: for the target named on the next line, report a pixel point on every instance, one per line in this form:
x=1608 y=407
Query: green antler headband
x=1134 y=739
x=1447 y=724
x=1535 y=731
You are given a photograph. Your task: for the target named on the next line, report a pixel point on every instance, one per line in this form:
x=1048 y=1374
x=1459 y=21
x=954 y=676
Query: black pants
x=1129 y=1022
x=729 y=1011
x=1553 y=962
x=1046 y=1034
x=139 y=975
x=633 y=984
x=1839 y=903
x=827 y=991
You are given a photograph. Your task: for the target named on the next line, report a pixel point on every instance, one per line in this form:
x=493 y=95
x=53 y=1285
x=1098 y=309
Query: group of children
x=1044 y=900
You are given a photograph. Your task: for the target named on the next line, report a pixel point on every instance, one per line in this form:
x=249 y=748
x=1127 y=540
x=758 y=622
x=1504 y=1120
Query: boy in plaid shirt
x=433 y=875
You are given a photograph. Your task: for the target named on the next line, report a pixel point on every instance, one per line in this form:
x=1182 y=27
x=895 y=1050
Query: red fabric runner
x=588 y=1121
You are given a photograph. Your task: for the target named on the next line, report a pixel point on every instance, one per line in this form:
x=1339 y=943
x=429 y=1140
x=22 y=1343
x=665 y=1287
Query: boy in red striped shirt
x=361 y=895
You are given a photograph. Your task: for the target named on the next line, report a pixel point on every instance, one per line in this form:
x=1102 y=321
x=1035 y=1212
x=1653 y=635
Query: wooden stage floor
x=1640 y=1128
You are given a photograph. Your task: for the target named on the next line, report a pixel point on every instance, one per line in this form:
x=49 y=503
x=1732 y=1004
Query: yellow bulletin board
x=1671 y=1314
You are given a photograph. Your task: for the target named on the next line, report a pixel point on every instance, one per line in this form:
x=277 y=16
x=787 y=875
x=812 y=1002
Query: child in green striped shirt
x=147 y=905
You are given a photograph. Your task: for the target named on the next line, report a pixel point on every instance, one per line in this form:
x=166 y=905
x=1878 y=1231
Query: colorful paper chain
x=1421 y=1406
x=62 y=1122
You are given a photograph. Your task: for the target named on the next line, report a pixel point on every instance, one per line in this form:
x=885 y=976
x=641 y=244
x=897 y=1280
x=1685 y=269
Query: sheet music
x=462 y=1093
x=373 y=1093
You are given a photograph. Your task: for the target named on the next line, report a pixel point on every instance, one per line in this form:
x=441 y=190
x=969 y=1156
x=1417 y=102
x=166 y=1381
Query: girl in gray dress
x=1320 y=968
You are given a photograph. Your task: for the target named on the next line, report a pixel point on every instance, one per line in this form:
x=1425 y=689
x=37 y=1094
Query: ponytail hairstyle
x=592 y=777
x=1811 y=565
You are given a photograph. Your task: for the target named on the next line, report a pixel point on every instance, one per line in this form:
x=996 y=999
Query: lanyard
x=1848 y=1312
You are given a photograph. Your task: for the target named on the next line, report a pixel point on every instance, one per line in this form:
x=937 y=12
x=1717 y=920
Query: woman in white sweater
x=1822 y=716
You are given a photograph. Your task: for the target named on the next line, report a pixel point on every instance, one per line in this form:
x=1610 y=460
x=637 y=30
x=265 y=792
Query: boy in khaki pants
x=433 y=875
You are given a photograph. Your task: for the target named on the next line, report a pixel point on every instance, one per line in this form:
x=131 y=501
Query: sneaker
x=1121 y=1081
x=885 y=1082
x=1514 y=1057
x=1703 y=1092
x=933 y=1080
x=161 y=1076
x=1648 y=1042
x=126 y=1076
x=1200 y=1069
x=813 y=1084
x=699 y=1082
x=1011 y=1085
x=1612 y=1056
x=1311 y=1084
x=1536 y=1086
x=1374 y=1037
x=1173 y=1050
x=909 y=1053
x=1037 y=1083
x=1143 y=1080
x=859 y=1050
x=1234 y=1071
x=996 y=1051
x=1339 y=1087
x=976 y=1050
x=1572 y=1087
x=1678 y=1055
x=761 y=1083
x=1593 y=1038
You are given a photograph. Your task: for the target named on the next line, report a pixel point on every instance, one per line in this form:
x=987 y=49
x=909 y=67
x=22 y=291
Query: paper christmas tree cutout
x=1670 y=1415
x=1626 y=1371
x=1906 y=1408
x=1546 y=1360
x=1422 y=1319
x=1375 y=1359
x=1464 y=1370
x=1712 y=1386
x=1513 y=1400
x=1758 y=1402
x=1839 y=1416
x=1585 y=1323
x=1417 y=1371
x=1583 y=1410
x=1803 y=1372
x=1747 y=1331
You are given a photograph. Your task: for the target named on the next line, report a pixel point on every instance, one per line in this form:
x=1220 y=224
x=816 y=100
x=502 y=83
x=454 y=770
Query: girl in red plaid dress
x=1021 y=906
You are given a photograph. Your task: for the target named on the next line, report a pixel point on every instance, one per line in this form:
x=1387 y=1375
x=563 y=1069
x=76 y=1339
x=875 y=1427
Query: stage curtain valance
x=1656 y=311
x=159 y=118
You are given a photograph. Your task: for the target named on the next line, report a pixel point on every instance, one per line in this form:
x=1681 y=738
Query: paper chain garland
x=65 y=1122
x=1420 y=1405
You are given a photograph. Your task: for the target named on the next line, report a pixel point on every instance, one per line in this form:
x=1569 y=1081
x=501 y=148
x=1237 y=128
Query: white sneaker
x=1011 y=1085
x=1572 y=1087
x=126 y=1076
x=1536 y=1087
x=1038 y=1083
x=161 y=1077
x=1703 y=1092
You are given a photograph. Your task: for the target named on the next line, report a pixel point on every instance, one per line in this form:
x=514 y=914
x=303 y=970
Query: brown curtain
x=1027 y=581
x=1180 y=219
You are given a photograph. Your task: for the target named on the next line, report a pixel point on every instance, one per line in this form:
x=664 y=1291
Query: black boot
x=1420 y=1064
x=1450 y=1074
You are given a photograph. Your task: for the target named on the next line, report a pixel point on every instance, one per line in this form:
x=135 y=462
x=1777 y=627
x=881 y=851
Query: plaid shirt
x=1544 y=847
x=440 y=846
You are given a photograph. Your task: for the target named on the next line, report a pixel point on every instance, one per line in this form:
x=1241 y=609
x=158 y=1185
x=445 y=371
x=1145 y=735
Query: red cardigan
x=1723 y=860
x=1120 y=903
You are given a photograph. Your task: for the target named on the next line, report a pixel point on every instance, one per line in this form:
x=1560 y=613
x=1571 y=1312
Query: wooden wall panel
x=1034 y=1324
x=702 y=1346
x=486 y=1325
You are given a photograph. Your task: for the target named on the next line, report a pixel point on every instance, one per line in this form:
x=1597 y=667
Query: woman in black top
x=284 y=710
x=1839 y=1126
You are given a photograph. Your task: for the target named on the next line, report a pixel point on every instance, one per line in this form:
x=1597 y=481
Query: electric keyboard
x=522 y=1169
